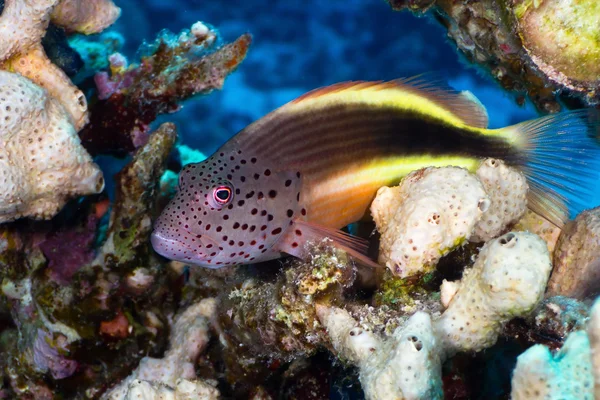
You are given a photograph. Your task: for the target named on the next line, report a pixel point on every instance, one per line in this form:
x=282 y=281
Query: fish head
x=229 y=209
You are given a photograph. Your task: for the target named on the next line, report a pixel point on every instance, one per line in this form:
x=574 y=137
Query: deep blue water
x=300 y=45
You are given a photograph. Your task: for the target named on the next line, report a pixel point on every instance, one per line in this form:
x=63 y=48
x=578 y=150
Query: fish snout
x=185 y=248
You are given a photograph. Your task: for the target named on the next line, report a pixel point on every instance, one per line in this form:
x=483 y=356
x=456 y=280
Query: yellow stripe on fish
x=350 y=191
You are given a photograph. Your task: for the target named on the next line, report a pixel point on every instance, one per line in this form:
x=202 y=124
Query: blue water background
x=300 y=45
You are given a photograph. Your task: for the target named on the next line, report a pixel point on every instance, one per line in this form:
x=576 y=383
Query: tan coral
x=593 y=331
x=42 y=162
x=577 y=258
x=87 y=17
x=36 y=66
x=23 y=24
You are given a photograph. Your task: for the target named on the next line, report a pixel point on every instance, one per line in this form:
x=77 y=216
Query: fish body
x=314 y=165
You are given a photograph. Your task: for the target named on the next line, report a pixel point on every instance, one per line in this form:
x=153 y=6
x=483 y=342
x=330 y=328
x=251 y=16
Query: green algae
x=401 y=291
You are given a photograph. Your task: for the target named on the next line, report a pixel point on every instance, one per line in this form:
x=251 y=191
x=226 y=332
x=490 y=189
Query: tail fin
x=561 y=160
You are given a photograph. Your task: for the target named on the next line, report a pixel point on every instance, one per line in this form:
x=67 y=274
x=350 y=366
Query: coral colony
x=463 y=265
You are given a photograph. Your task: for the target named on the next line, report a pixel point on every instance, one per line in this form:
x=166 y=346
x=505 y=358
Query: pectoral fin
x=302 y=232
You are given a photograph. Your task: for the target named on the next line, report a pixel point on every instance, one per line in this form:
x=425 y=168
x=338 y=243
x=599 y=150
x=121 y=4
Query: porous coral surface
x=405 y=365
x=508 y=279
x=507 y=190
x=22 y=26
x=42 y=162
x=173 y=376
x=566 y=375
x=433 y=211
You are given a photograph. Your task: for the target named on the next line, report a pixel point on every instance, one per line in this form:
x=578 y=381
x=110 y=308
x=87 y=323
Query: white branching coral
x=184 y=390
x=174 y=376
x=572 y=373
x=405 y=365
x=508 y=280
x=22 y=27
x=42 y=162
x=567 y=375
x=433 y=211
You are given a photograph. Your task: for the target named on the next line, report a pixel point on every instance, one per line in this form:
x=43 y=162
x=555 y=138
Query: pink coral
x=69 y=250
x=48 y=355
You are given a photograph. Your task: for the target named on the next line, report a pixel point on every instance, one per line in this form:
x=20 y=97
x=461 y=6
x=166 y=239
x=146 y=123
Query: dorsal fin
x=463 y=105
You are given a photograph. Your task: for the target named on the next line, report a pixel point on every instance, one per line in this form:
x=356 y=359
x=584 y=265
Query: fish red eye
x=222 y=194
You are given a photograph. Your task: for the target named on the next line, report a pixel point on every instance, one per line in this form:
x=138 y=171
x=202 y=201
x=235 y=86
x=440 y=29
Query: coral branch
x=137 y=189
x=175 y=371
x=131 y=98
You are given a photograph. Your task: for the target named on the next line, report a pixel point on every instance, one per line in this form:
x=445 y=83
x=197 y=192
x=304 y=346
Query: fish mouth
x=177 y=250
